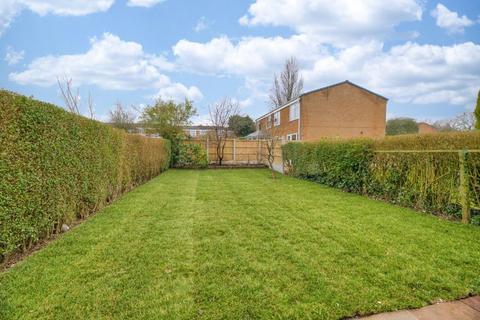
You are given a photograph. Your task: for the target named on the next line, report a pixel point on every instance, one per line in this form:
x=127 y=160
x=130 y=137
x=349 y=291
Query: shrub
x=476 y=220
x=427 y=181
x=191 y=156
x=401 y=126
x=57 y=166
x=337 y=163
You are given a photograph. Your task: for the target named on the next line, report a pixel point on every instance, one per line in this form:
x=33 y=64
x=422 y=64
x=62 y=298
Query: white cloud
x=249 y=56
x=143 y=3
x=178 y=92
x=245 y=103
x=201 y=119
x=8 y=10
x=13 y=57
x=11 y=8
x=110 y=63
x=450 y=20
x=409 y=73
x=338 y=22
x=202 y=24
x=67 y=7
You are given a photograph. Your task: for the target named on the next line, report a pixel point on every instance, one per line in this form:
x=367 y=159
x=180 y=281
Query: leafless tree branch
x=71 y=99
x=286 y=86
x=220 y=113
x=121 y=118
x=91 y=111
x=462 y=122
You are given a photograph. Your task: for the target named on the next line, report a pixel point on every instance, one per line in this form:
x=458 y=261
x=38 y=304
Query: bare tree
x=288 y=85
x=220 y=113
x=121 y=118
x=72 y=99
x=91 y=112
x=270 y=146
x=463 y=122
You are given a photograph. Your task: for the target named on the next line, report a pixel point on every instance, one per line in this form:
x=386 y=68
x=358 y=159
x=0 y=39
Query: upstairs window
x=292 y=137
x=294 y=111
x=276 y=118
x=269 y=122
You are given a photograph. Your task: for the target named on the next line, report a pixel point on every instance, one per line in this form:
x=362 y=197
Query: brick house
x=343 y=110
x=201 y=131
x=424 y=127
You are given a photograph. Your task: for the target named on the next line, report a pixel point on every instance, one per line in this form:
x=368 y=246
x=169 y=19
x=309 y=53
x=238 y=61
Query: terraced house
x=343 y=110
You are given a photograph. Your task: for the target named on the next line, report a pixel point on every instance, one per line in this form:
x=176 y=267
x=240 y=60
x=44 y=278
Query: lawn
x=235 y=244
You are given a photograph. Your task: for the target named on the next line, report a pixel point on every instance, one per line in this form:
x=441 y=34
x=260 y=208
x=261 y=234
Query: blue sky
x=423 y=55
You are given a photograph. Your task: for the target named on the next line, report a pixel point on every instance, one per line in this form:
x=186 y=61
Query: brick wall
x=344 y=111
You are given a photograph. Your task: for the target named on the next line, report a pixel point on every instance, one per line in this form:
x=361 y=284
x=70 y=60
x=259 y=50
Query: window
x=292 y=137
x=193 y=133
x=294 y=111
x=276 y=118
x=269 y=122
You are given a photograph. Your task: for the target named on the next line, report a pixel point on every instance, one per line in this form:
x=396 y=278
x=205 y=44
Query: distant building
x=256 y=135
x=200 y=131
x=424 y=127
x=343 y=110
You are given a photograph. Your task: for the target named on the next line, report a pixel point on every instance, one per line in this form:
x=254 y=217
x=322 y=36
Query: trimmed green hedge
x=335 y=163
x=425 y=181
x=56 y=166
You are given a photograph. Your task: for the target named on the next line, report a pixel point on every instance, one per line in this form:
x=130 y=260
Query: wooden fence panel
x=240 y=151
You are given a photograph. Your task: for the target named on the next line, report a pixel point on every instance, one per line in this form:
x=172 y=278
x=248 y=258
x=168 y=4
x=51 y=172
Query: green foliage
x=426 y=181
x=241 y=126
x=56 y=166
x=476 y=220
x=167 y=118
x=401 y=126
x=477 y=112
x=435 y=141
x=336 y=163
x=191 y=156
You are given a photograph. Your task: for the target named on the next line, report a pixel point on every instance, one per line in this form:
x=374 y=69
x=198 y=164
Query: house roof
x=316 y=90
x=200 y=127
x=255 y=135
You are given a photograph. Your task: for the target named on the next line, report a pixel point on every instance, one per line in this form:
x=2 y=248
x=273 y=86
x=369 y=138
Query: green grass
x=235 y=244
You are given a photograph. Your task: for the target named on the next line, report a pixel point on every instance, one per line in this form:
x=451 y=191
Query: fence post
x=234 y=150
x=464 y=186
x=207 y=146
x=259 y=152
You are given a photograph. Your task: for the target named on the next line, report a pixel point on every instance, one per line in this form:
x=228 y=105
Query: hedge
x=336 y=163
x=191 y=155
x=56 y=167
x=427 y=181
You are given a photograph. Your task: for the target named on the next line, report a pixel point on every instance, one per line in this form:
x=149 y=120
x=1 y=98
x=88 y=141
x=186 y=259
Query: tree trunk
x=273 y=173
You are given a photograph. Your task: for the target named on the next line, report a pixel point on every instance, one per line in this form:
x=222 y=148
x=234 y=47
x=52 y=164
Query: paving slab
x=473 y=302
x=465 y=309
x=398 y=315
x=448 y=311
